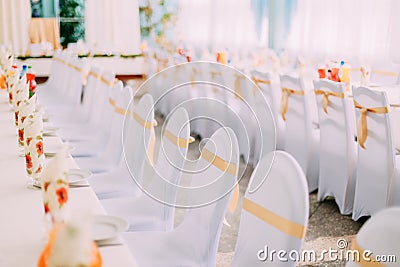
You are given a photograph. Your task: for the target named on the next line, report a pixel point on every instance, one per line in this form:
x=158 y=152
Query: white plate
x=106 y=227
x=78 y=175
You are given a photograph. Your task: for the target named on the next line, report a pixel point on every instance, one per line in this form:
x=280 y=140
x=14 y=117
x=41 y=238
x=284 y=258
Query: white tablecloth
x=22 y=225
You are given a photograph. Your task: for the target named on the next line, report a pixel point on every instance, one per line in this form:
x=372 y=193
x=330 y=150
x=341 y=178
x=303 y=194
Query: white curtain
x=362 y=30
x=113 y=26
x=217 y=24
x=15 y=16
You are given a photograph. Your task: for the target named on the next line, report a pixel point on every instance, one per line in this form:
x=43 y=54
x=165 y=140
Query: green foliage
x=72 y=26
x=154 y=18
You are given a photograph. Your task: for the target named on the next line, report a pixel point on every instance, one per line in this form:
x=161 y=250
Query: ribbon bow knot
x=362 y=128
x=257 y=82
x=286 y=92
x=325 y=99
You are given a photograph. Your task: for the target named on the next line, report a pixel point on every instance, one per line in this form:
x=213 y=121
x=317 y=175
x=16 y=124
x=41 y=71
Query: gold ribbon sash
x=180 y=142
x=325 y=99
x=193 y=76
x=362 y=130
x=111 y=102
x=275 y=220
x=385 y=73
x=364 y=260
x=219 y=162
x=286 y=92
x=258 y=81
x=237 y=86
x=102 y=79
x=145 y=124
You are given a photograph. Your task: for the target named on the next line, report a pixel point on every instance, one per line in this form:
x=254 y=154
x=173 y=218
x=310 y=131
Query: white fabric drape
x=217 y=24
x=364 y=30
x=113 y=26
x=14 y=25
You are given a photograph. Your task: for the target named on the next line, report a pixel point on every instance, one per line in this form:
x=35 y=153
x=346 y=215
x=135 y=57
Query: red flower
x=39 y=148
x=10 y=96
x=28 y=140
x=46 y=185
x=46 y=208
x=23 y=119
x=28 y=161
x=62 y=195
x=16 y=117
x=21 y=135
x=39 y=169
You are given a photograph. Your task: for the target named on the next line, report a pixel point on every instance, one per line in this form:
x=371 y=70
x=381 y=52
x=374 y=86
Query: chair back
x=376 y=162
x=136 y=136
x=210 y=191
x=275 y=212
x=338 y=149
x=168 y=169
x=116 y=110
x=385 y=73
x=299 y=139
x=380 y=235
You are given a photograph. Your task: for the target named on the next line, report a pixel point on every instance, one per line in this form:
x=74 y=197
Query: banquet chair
x=301 y=137
x=270 y=90
x=154 y=210
x=110 y=156
x=194 y=242
x=385 y=73
x=275 y=211
x=91 y=140
x=240 y=111
x=50 y=92
x=66 y=101
x=376 y=156
x=380 y=235
x=215 y=101
x=136 y=139
x=55 y=73
x=338 y=149
x=80 y=115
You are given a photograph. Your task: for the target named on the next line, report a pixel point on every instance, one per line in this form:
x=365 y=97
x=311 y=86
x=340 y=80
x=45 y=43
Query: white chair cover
x=275 y=211
x=385 y=73
x=301 y=137
x=96 y=132
x=338 y=149
x=270 y=91
x=110 y=156
x=380 y=235
x=136 y=137
x=375 y=164
x=154 y=210
x=195 y=241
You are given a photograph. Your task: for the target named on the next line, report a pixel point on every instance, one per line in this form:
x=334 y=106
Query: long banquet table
x=22 y=224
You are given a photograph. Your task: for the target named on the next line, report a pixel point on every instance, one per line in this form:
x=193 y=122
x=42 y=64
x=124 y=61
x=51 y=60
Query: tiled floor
x=326 y=224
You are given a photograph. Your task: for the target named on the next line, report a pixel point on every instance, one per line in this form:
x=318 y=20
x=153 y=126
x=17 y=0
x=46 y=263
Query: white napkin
x=26 y=108
x=11 y=78
x=54 y=183
x=34 y=156
x=20 y=94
